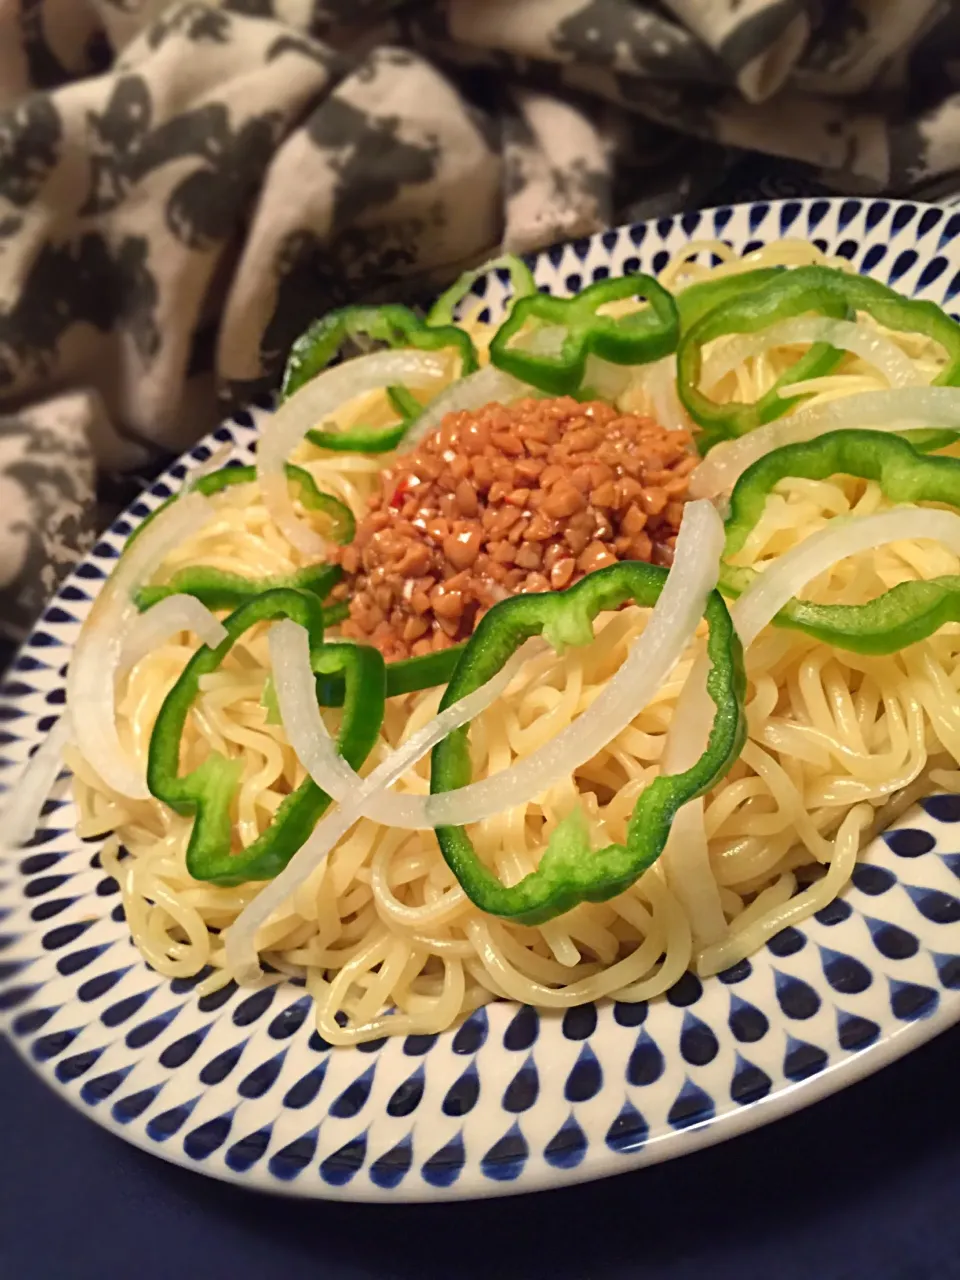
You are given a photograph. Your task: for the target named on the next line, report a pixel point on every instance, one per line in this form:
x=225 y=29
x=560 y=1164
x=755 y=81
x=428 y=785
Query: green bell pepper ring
x=824 y=291
x=341 y=524
x=521 y=279
x=372 y=439
x=395 y=325
x=637 y=338
x=219 y=589
x=696 y=300
x=209 y=789
x=905 y=614
x=408 y=675
x=569 y=871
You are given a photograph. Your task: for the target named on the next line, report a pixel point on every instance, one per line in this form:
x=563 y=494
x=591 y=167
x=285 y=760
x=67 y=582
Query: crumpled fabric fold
x=185 y=186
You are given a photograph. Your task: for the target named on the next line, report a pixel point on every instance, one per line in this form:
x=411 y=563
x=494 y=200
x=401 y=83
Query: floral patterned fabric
x=184 y=186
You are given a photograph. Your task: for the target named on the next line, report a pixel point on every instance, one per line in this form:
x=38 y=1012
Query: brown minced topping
x=504 y=500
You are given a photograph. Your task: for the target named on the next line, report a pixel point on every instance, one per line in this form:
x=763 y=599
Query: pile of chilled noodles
x=543 y=661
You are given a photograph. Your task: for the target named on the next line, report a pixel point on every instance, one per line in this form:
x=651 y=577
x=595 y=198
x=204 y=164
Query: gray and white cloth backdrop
x=184 y=186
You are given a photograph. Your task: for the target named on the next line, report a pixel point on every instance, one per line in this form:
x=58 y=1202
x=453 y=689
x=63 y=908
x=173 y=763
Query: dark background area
x=864 y=1184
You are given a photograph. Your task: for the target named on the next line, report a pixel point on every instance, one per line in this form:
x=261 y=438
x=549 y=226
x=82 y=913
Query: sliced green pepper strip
x=637 y=338
x=899 y=617
x=208 y=790
x=521 y=280
x=409 y=675
x=219 y=589
x=372 y=439
x=395 y=325
x=821 y=290
x=342 y=525
x=696 y=300
x=569 y=871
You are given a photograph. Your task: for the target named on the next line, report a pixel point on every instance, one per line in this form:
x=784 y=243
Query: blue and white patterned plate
x=239 y=1086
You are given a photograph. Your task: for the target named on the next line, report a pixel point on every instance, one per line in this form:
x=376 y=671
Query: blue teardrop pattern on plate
x=845 y=974
x=911 y=1000
x=523 y=1029
x=14 y=997
x=354 y=1097
x=444 y=1167
x=416 y=1046
x=201 y=1142
x=803 y=1060
x=948 y=971
x=244 y=1154
x=290 y=1161
x=99 y=985
x=691 y=1106
x=70 y=1069
x=218 y=1068
x=130 y=1108
x=169 y=1123
x=928 y=220
x=505 y=1160
x=30 y=1022
x=834 y=912
x=749 y=1084
x=686 y=990
x=461 y=1097
x=124 y=1009
x=906 y=213
x=738 y=972
x=848 y=211
x=215 y=1000
x=580 y=1022
x=645 y=1064
x=795 y=997
x=585 y=1079
x=343 y=1165
x=789 y=212
x=472 y=1034
x=942 y=808
x=630 y=1013
x=147 y=1032
x=933 y=905
x=254 y=1007
x=303 y=1091
x=95 y=1091
x=522 y=1091
x=390 y=1169
x=892 y=941
x=872 y=880
x=629 y=1131
x=406 y=1097
x=567 y=1147
x=289 y=1021
x=262 y=1078
x=854 y=1032
x=698 y=1044
x=52 y=1045
x=909 y=842
x=182 y=1050
x=902 y=264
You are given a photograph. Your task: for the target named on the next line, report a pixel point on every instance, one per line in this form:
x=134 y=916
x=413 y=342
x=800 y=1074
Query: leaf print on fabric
x=629 y=39
x=78 y=281
x=30 y=136
x=44 y=68
x=202 y=208
x=196 y=21
x=47 y=512
x=371 y=161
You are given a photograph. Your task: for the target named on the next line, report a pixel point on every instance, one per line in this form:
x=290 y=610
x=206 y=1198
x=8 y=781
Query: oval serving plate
x=239 y=1086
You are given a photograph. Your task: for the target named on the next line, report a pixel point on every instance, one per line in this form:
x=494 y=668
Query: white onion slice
x=486 y=386
x=685 y=855
x=165 y=619
x=20 y=817
x=667 y=633
x=91 y=695
x=842 y=537
x=240 y=938
x=896 y=410
x=884 y=354
x=309 y=407
x=661 y=383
